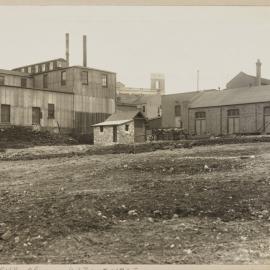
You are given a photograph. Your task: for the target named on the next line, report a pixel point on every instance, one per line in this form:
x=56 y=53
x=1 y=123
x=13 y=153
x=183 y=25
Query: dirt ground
x=207 y=204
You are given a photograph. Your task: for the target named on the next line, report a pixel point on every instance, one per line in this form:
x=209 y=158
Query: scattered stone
x=172 y=246
x=175 y=216
x=150 y=219
x=188 y=251
x=132 y=213
x=17 y=239
x=7 y=235
x=1 y=248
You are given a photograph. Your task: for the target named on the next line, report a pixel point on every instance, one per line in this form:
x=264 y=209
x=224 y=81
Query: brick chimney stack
x=84 y=51
x=67 y=48
x=258 y=73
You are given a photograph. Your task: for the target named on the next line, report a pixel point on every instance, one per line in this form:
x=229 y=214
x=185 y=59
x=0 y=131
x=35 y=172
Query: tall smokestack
x=258 y=73
x=84 y=51
x=67 y=48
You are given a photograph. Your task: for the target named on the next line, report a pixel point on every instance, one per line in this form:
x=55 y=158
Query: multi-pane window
x=200 y=115
x=59 y=64
x=43 y=67
x=126 y=127
x=101 y=128
x=23 y=82
x=177 y=110
x=5 y=113
x=22 y=70
x=50 y=111
x=84 y=77
x=2 y=80
x=51 y=66
x=29 y=69
x=63 y=78
x=233 y=112
x=45 y=81
x=104 y=80
x=36 y=68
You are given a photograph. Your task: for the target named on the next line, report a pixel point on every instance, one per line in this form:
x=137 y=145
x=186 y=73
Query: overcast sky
x=137 y=41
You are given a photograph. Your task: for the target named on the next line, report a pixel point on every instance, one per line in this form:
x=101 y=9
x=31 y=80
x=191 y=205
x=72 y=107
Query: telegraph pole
x=198 y=78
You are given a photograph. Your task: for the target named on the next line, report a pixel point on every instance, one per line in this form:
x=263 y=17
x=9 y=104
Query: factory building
x=55 y=96
x=242 y=109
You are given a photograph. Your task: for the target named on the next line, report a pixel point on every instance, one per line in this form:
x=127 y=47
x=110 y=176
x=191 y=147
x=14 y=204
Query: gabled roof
x=244 y=75
x=236 y=96
x=120 y=117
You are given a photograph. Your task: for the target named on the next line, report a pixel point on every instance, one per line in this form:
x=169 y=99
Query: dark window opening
x=23 y=82
x=101 y=128
x=63 y=78
x=267 y=110
x=143 y=108
x=104 y=80
x=126 y=127
x=2 y=80
x=233 y=112
x=84 y=77
x=5 y=113
x=200 y=115
x=177 y=110
x=45 y=81
x=114 y=134
x=50 y=111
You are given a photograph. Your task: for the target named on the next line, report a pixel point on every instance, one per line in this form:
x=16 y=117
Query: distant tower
x=158 y=82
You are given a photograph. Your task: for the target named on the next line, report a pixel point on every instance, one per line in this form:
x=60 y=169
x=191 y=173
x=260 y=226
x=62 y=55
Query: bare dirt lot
x=183 y=206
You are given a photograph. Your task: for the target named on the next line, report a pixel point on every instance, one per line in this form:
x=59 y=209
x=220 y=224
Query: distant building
x=122 y=127
x=55 y=96
x=244 y=80
x=241 y=110
x=149 y=105
x=157 y=87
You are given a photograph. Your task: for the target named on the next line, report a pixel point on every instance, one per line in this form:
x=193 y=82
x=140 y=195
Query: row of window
x=230 y=113
x=42 y=67
x=23 y=81
x=84 y=79
x=5 y=112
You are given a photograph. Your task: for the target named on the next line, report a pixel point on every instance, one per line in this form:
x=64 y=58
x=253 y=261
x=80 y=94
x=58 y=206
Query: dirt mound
x=21 y=137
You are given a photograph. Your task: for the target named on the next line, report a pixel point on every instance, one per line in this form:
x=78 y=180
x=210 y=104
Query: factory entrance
x=233 y=121
x=200 y=123
x=36 y=116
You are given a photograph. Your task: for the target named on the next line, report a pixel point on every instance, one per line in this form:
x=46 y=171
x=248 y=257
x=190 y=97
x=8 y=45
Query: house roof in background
x=245 y=75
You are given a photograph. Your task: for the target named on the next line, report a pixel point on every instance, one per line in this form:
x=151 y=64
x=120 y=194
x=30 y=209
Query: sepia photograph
x=134 y=135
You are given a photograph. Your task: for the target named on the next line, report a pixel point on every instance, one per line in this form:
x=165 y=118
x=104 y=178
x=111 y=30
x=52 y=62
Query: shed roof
x=120 y=117
x=234 y=96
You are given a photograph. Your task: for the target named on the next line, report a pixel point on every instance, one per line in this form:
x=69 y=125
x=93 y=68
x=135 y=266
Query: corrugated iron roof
x=15 y=73
x=120 y=117
x=112 y=123
x=234 y=96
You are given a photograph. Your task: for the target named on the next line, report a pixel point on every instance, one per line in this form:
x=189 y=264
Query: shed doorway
x=139 y=130
x=36 y=115
x=114 y=133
